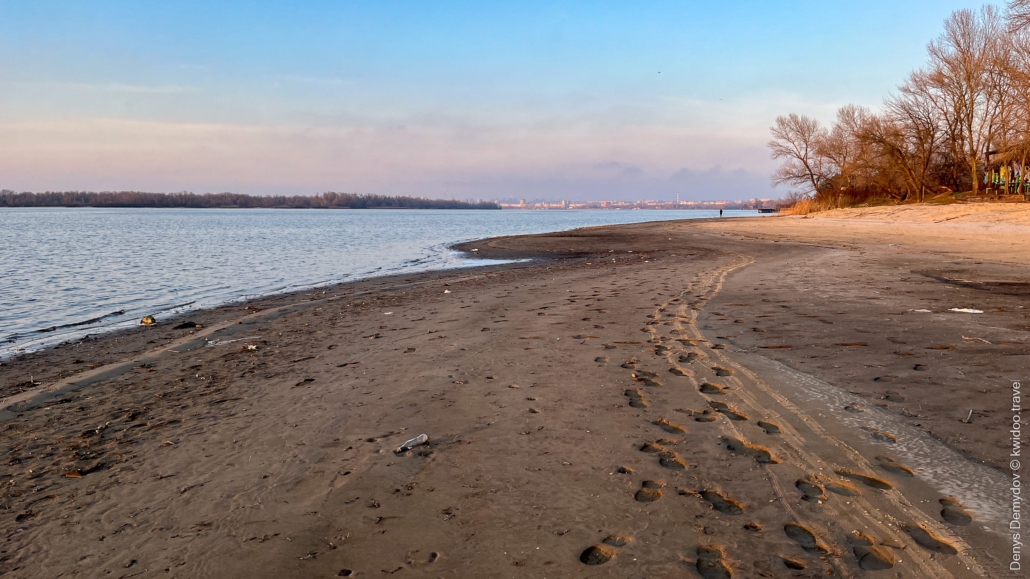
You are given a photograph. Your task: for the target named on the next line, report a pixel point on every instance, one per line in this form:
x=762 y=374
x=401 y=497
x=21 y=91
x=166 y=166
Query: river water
x=67 y=272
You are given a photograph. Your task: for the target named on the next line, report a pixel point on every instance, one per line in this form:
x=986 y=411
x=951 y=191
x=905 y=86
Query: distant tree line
x=959 y=124
x=225 y=200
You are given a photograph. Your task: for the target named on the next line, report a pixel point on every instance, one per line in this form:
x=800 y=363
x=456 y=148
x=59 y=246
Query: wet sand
x=761 y=398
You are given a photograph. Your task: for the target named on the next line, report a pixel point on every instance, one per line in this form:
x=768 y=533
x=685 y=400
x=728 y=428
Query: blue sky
x=556 y=100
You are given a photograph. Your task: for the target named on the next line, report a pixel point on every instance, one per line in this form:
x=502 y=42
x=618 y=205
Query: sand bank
x=685 y=397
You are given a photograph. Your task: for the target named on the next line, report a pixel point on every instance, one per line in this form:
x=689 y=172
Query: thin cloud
x=126 y=88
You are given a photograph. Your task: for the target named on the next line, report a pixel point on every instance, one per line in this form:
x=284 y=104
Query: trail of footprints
x=688 y=361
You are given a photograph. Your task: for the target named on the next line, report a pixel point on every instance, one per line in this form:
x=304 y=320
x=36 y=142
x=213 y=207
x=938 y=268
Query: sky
x=535 y=100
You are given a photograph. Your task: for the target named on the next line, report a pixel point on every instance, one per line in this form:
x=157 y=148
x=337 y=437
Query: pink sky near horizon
x=540 y=99
x=430 y=159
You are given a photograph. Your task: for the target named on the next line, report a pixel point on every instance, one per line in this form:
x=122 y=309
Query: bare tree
x=796 y=140
x=961 y=70
x=953 y=121
x=843 y=148
x=908 y=133
x=1014 y=143
x=1019 y=15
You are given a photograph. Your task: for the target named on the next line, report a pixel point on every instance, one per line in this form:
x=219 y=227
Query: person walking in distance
x=720 y=213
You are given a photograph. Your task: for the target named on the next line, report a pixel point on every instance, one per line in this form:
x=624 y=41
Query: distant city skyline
x=541 y=100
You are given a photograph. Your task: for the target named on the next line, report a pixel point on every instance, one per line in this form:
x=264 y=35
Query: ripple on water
x=61 y=266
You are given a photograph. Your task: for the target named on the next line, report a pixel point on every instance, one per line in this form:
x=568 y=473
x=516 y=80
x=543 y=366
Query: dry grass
x=806 y=206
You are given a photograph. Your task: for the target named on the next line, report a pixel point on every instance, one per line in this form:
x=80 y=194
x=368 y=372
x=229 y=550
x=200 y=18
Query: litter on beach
x=922 y=311
x=965 y=310
x=417 y=441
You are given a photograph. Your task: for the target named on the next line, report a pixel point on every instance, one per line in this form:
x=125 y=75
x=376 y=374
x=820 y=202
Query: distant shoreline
x=138 y=199
x=363 y=208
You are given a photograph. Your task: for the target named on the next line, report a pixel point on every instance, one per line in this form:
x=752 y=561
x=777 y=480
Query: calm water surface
x=68 y=272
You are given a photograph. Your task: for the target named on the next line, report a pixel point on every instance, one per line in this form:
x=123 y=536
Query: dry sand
x=684 y=399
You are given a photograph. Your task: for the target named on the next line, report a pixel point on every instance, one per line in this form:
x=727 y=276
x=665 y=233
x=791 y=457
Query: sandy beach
x=779 y=397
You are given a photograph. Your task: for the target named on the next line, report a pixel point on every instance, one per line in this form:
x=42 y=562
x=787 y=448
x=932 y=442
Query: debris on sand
x=410 y=444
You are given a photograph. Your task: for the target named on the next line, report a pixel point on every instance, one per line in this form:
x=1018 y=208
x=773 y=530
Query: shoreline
x=223 y=316
x=743 y=344
x=30 y=320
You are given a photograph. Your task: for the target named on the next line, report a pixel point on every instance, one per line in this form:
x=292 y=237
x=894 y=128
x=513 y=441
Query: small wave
x=82 y=323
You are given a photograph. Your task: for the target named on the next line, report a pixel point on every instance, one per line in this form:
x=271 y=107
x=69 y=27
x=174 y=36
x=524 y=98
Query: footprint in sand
x=894 y=467
x=668 y=426
x=652 y=448
x=868 y=480
x=415 y=559
x=679 y=371
x=617 y=540
x=711 y=563
x=843 y=488
x=892 y=396
x=871 y=556
x=928 y=540
x=811 y=489
x=631 y=363
x=791 y=563
x=636 y=398
x=601 y=359
x=729 y=411
x=721 y=502
x=689 y=357
x=710 y=388
x=769 y=427
x=645 y=380
x=650 y=491
x=671 y=460
x=806 y=538
x=597 y=555
x=601 y=554
x=761 y=454
x=625 y=470
x=954 y=513
x=705 y=416
x=854 y=408
x=880 y=435
x=720 y=371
